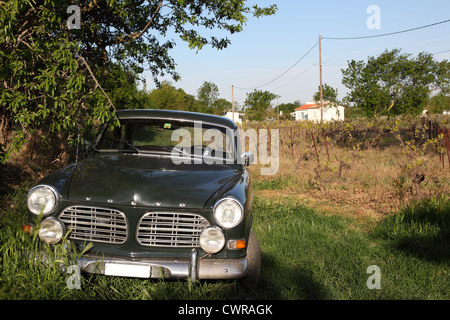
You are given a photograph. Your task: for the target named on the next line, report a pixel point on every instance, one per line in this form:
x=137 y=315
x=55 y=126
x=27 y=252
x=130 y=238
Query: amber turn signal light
x=237 y=244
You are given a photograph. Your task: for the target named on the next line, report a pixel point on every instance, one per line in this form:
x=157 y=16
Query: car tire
x=253 y=261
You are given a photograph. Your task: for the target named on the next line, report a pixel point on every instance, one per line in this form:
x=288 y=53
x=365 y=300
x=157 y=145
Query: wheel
x=253 y=261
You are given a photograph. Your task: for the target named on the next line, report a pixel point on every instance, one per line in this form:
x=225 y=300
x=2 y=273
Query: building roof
x=311 y=105
x=308 y=106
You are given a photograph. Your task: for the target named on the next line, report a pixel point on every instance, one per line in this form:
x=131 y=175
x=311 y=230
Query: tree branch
x=97 y=83
x=90 y=6
x=135 y=35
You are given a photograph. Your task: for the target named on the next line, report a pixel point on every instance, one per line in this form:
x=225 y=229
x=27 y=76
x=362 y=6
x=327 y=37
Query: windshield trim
x=169 y=154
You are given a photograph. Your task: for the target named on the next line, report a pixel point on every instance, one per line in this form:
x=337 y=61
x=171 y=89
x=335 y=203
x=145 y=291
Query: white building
x=311 y=111
x=237 y=116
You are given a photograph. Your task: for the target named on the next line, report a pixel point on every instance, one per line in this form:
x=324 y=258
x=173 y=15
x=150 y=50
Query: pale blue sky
x=271 y=45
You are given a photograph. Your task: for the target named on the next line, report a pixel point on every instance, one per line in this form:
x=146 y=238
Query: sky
x=266 y=51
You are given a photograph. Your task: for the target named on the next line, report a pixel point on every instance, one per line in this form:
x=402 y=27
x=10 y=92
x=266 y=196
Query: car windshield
x=159 y=136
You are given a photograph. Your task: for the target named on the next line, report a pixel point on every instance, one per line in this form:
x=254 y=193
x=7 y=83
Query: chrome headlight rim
x=55 y=194
x=60 y=233
x=222 y=240
x=221 y=223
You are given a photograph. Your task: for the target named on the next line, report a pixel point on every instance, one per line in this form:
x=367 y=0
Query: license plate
x=127 y=270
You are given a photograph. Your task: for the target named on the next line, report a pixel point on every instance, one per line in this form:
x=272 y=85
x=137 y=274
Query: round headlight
x=51 y=230
x=42 y=198
x=228 y=213
x=212 y=240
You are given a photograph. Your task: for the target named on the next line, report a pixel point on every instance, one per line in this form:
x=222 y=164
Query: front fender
x=60 y=179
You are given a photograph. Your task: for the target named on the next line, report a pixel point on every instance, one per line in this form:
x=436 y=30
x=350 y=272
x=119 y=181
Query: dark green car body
x=135 y=188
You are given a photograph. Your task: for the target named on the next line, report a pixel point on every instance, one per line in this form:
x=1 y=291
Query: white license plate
x=127 y=270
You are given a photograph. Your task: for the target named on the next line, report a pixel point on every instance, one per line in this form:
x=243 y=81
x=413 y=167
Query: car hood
x=140 y=180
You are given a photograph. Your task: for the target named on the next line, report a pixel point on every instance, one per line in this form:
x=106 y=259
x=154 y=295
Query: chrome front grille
x=160 y=229
x=95 y=224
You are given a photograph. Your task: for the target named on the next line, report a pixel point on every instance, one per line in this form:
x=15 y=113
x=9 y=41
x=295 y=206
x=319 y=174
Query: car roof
x=175 y=115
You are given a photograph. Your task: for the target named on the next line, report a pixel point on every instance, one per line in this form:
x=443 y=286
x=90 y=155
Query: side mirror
x=247 y=158
x=88 y=145
x=86 y=149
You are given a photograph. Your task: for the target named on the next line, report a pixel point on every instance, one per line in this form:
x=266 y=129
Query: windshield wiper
x=164 y=149
x=126 y=143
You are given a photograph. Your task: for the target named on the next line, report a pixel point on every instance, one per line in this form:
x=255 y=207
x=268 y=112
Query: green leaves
x=328 y=94
x=394 y=83
x=61 y=80
x=208 y=93
x=259 y=104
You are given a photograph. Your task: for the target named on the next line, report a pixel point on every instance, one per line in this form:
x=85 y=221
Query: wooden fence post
x=326 y=144
x=292 y=143
x=314 y=141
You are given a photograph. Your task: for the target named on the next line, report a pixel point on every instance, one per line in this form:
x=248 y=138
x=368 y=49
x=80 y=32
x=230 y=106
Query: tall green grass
x=414 y=250
x=305 y=255
x=421 y=230
x=309 y=256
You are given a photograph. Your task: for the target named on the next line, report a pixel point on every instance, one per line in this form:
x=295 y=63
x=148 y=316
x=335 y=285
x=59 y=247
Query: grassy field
x=332 y=212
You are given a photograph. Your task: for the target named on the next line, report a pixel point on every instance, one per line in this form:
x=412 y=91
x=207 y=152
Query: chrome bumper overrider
x=167 y=268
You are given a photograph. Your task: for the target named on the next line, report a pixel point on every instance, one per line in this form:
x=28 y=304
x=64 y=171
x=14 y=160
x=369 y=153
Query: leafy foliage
x=440 y=103
x=328 y=94
x=259 y=104
x=57 y=80
x=208 y=93
x=394 y=83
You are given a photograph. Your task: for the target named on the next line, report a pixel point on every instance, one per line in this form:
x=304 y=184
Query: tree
x=134 y=31
x=171 y=98
x=208 y=94
x=328 y=94
x=394 y=83
x=286 y=109
x=57 y=79
x=258 y=104
x=439 y=103
x=221 y=106
x=208 y=97
x=122 y=88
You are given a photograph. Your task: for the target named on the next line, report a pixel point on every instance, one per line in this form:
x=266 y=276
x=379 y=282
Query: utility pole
x=145 y=85
x=232 y=100
x=320 y=67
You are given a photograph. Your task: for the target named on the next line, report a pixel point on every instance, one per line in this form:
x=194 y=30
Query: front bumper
x=166 y=268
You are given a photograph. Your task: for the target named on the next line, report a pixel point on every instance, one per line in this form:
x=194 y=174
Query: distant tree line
x=167 y=96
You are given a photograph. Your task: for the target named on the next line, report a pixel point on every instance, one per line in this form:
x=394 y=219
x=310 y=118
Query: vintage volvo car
x=165 y=194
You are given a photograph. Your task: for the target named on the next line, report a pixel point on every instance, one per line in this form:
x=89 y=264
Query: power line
x=441 y=52
x=388 y=34
x=283 y=72
x=298 y=76
x=343 y=38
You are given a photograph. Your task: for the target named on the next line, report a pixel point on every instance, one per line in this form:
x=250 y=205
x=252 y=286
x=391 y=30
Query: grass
x=305 y=255
x=416 y=250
